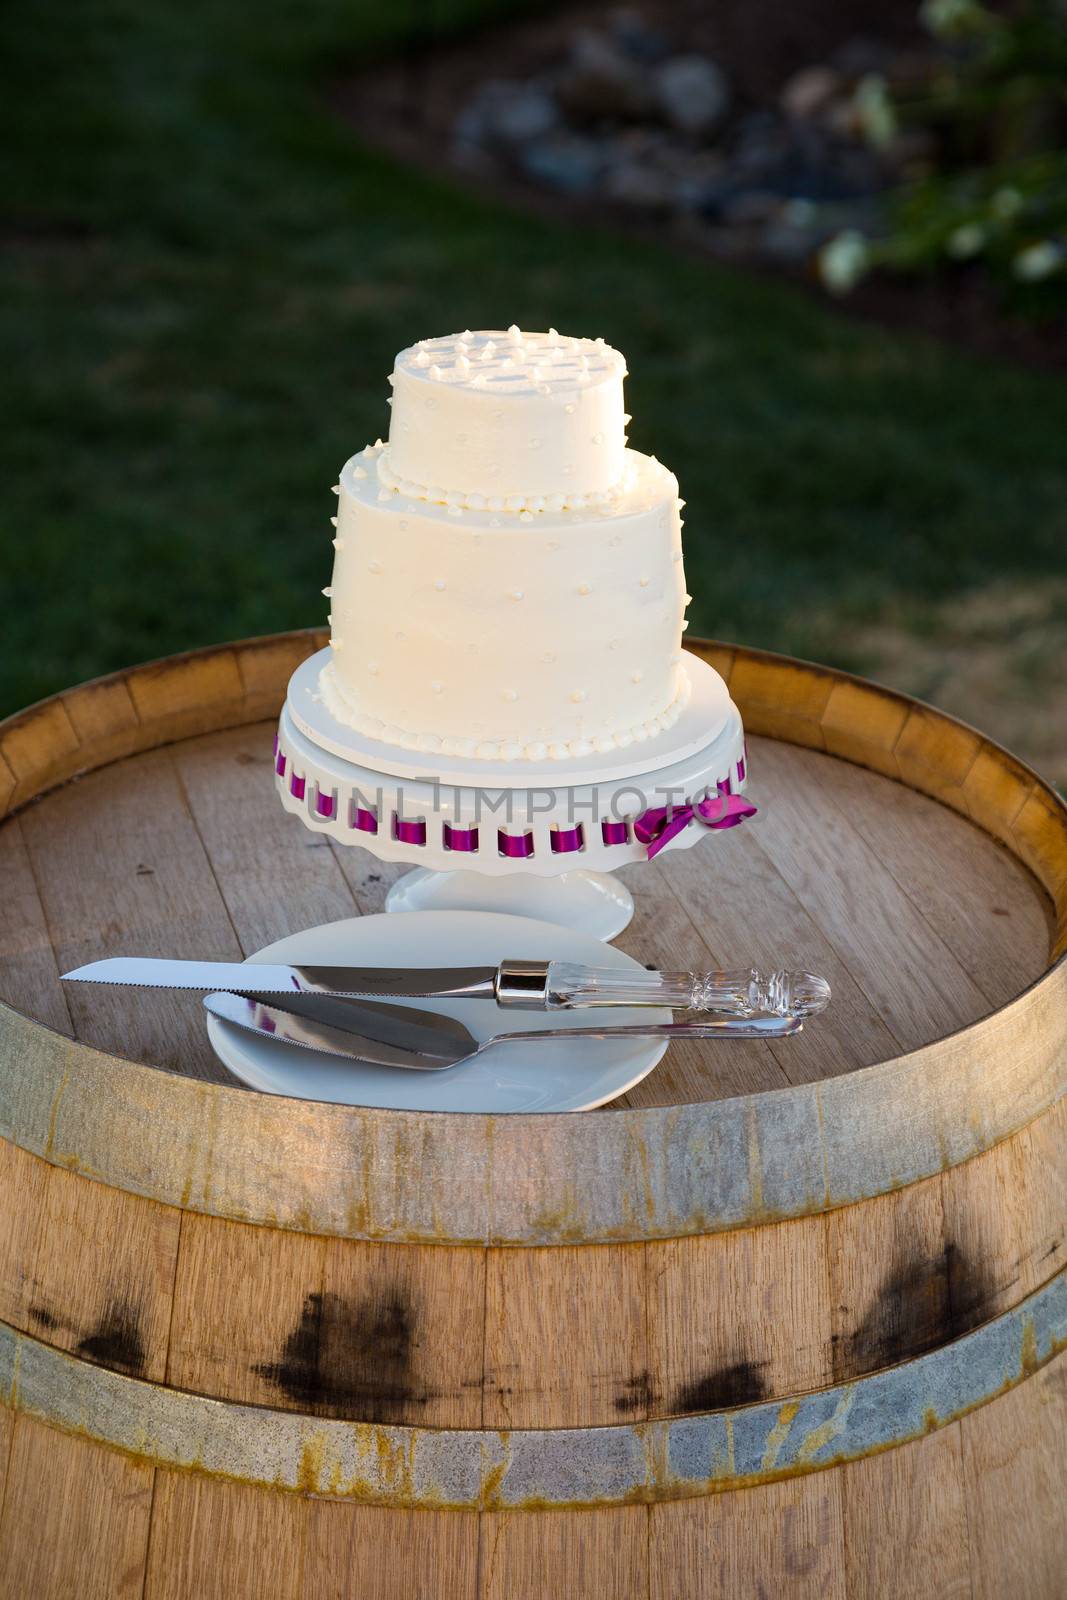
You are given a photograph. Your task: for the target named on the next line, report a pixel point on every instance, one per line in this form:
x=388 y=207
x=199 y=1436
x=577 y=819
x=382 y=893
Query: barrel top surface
x=921 y=922
x=939 y=925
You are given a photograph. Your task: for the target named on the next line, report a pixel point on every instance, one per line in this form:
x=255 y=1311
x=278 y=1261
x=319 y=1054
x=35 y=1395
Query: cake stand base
x=594 y=903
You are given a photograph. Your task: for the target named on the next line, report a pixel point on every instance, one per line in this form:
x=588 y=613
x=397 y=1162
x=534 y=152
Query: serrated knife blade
x=438 y=983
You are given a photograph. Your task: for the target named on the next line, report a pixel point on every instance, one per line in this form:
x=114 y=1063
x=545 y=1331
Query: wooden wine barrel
x=786 y=1319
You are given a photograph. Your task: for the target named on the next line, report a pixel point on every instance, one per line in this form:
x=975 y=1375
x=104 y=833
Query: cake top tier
x=509 y=413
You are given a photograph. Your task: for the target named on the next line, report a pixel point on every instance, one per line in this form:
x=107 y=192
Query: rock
x=693 y=94
x=527 y=114
x=639 y=187
x=641 y=143
x=808 y=92
x=599 y=82
x=762 y=143
x=563 y=161
x=507 y=113
x=635 y=38
x=750 y=206
x=703 y=184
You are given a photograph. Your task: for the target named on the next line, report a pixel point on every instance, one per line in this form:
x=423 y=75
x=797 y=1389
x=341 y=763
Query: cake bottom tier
x=507 y=635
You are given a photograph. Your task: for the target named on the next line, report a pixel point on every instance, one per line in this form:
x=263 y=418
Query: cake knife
x=524 y=985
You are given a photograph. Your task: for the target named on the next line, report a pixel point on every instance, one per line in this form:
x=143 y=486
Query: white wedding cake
x=508 y=577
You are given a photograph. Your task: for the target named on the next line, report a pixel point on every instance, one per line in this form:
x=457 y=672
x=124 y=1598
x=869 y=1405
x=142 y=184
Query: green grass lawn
x=206 y=277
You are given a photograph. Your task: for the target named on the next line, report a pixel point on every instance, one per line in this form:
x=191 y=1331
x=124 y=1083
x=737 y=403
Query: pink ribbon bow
x=720 y=810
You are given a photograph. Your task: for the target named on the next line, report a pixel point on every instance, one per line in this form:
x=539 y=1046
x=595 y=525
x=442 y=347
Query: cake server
x=526 y=985
x=321 y=1023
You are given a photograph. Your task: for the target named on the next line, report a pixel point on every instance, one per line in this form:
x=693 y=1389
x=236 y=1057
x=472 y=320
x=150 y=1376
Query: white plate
x=555 y=1076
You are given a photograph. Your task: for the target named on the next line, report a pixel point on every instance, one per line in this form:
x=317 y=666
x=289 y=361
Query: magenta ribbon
x=659 y=826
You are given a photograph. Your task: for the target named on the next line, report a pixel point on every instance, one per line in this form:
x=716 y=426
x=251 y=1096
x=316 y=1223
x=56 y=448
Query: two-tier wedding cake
x=508 y=578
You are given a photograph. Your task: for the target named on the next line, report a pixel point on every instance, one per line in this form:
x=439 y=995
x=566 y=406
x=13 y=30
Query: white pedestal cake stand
x=534 y=840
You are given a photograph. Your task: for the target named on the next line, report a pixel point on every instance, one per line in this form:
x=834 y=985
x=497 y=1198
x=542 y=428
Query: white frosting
x=508 y=415
x=506 y=633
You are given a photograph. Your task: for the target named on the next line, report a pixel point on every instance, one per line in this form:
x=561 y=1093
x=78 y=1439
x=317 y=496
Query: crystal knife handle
x=741 y=993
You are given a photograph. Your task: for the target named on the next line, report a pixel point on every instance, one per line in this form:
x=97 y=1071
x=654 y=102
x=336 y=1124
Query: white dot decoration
x=372 y=668
x=437 y=686
x=514 y=362
x=614 y=644
x=374 y=566
x=518 y=594
x=440 y=585
x=598 y=438
x=511 y=694
x=583 y=588
x=636 y=676
x=548 y=657
x=644 y=581
x=535 y=444
x=577 y=695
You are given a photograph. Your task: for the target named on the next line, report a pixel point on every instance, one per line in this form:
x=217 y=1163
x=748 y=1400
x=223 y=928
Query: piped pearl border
x=435 y=495
x=340 y=706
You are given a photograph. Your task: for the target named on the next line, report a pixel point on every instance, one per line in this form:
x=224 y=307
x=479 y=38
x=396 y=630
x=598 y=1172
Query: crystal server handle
x=740 y=993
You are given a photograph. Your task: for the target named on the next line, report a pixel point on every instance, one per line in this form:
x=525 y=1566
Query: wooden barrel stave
x=550 y=1336
x=648 y=1328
